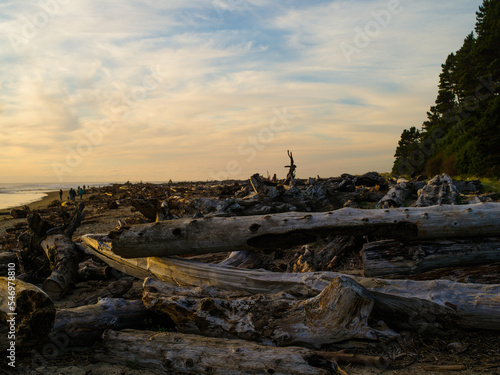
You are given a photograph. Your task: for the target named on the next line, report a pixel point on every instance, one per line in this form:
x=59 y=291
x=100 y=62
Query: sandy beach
x=43 y=202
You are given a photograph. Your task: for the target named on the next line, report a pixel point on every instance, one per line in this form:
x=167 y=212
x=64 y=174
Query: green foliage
x=462 y=132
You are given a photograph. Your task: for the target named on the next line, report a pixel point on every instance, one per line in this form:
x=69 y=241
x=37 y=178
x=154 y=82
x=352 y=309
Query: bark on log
x=34 y=311
x=226 y=234
x=439 y=190
x=90 y=270
x=114 y=289
x=357 y=359
x=382 y=258
x=397 y=195
x=63 y=258
x=83 y=326
x=415 y=303
x=178 y=353
x=339 y=313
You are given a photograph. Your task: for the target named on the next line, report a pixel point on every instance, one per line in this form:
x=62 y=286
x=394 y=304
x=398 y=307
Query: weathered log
x=356 y=359
x=391 y=257
x=192 y=354
x=415 y=302
x=397 y=195
x=340 y=312
x=82 y=326
x=90 y=270
x=27 y=311
x=439 y=190
x=114 y=289
x=241 y=259
x=226 y=234
x=324 y=258
x=63 y=259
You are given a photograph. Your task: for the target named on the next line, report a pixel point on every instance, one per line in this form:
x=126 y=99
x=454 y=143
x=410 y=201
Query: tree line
x=461 y=135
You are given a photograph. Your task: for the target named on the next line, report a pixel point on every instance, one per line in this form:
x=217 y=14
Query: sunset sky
x=149 y=90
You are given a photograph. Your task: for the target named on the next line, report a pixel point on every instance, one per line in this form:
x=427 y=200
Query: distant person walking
x=72 y=194
x=60 y=194
x=80 y=192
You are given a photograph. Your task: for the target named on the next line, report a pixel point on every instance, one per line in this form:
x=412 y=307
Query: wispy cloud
x=186 y=87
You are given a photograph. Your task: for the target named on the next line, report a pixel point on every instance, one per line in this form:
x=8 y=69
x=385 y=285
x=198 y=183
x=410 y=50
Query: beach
x=110 y=207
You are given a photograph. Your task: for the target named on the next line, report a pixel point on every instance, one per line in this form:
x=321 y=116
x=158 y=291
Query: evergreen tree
x=462 y=132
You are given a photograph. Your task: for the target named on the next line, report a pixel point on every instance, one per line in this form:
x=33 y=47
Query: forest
x=461 y=135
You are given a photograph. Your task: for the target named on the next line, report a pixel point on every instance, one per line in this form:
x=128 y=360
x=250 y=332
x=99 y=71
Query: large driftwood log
x=63 y=258
x=339 y=313
x=82 y=326
x=27 y=311
x=391 y=257
x=439 y=190
x=417 y=302
x=192 y=354
x=397 y=195
x=226 y=234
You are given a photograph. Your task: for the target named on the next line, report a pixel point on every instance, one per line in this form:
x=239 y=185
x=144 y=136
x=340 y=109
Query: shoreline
x=41 y=203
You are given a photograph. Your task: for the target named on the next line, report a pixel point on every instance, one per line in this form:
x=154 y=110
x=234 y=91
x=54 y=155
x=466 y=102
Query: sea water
x=13 y=195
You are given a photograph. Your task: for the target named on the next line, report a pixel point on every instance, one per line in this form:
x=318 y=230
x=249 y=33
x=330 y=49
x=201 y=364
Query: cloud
x=190 y=90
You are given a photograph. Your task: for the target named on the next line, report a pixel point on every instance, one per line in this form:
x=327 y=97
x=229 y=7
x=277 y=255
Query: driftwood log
x=416 y=303
x=397 y=195
x=226 y=234
x=82 y=326
x=63 y=259
x=339 y=313
x=397 y=258
x=192 y=354
x=27 y=311
x=90 y=270
x=439 y=190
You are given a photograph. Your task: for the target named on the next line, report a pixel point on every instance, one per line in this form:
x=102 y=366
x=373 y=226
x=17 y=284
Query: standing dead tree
x=291 y=173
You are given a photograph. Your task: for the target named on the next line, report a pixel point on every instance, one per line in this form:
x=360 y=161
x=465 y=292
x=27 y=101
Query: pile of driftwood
x=232 y=320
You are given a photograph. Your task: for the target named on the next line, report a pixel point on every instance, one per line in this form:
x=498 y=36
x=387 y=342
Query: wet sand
x=42 y=203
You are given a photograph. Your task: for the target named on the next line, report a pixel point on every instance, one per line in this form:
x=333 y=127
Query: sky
x=148 y=90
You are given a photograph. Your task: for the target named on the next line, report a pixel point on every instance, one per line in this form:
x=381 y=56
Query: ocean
x=13 y=195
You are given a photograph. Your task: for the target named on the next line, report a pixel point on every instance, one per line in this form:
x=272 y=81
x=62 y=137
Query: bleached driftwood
x=193 y=354
x=397 y=195
x=416 y=302
x=30 y=310
x=63 y=259
x=226 y=234
x=84 y=325
x=391 y=257
x=339 y=313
